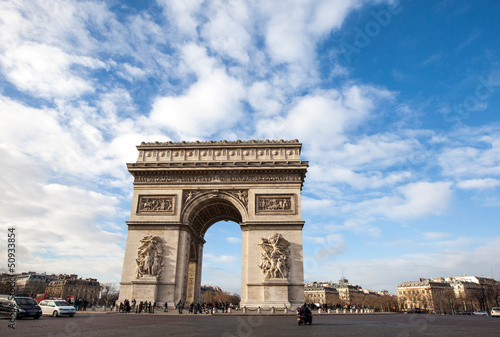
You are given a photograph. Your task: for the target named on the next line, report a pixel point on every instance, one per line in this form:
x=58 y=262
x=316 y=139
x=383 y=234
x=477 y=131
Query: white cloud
x=408 y=202
x=292 y=29
x=475 y=153
x=478 y=183
x=233 y=240
x=211 y=104
x=59 y=228
x=387 y=272
x=45 y=71
x=435 y=235
x=227 y=30
x=183 y=14
x=220 y=258
x=321 y=119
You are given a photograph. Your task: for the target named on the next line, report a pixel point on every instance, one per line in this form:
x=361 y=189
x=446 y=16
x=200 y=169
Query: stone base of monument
x=145 y=288
x=272 y=293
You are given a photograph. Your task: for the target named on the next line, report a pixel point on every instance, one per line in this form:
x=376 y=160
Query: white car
x=57 y=308
x=480 y=313
x=495 y=312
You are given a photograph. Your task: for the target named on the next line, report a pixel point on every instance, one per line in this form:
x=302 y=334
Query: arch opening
x=203 y=213
x=222 y=257
x=210 y=211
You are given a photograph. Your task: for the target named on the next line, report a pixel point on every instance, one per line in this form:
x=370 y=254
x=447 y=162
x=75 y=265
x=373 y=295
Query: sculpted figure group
x=274 y=258
x=149 y=257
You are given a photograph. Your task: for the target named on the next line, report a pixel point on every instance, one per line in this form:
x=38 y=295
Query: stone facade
x=446 y=294
x=70 y=285
x=181 y=189
x=32 y=283
x=320 y=295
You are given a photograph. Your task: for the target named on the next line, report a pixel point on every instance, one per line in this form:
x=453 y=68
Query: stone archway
x=181 y=189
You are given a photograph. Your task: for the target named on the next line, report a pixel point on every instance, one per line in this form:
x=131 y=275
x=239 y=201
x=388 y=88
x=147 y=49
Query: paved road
x=228 y=325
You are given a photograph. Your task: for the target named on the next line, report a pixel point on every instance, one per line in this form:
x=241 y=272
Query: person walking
x=165 y=308
x=180 y=306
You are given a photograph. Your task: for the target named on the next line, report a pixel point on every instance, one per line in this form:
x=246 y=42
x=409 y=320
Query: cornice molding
x=213 y=143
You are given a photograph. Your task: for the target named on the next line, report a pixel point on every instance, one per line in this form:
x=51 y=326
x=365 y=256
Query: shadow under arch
x=208 y=208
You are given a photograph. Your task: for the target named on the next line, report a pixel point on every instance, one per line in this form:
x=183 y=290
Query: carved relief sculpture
x=154 y=204
x=241 y=195
x=149 y=257
x=279 y=204
x=275 y=204
x=274 y=258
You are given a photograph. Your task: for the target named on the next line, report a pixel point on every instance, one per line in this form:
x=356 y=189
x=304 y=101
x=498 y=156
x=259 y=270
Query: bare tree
x=5 y=281
x=109 y=294
x=31 y=289
x=494 y=297
x=481 y=298
x=451 y=300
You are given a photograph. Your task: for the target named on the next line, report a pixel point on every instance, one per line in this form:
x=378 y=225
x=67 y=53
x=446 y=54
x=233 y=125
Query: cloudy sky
x=396 y=104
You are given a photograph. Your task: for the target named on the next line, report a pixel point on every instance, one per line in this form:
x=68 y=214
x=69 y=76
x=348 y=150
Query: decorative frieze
x=155 y=204
x=274 y=257
x=149 y=257
x=275 y=204
x=241 y=195
x=219 y=151
x=217 y=178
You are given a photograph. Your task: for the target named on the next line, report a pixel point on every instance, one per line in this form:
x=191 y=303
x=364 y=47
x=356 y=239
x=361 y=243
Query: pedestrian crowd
x=79 y=304
x=143 y=306
x=194 y=308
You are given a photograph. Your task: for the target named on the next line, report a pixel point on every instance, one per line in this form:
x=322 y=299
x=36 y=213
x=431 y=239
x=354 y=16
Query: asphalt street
x=228 y=325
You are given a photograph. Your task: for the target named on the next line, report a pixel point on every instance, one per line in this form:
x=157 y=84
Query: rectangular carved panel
x=275 y=204
x=156 y=204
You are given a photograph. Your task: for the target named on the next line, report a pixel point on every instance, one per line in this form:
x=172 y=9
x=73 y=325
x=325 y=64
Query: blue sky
x=396 y=104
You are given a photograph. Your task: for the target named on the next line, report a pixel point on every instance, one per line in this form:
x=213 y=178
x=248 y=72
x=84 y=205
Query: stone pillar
x=257 y=289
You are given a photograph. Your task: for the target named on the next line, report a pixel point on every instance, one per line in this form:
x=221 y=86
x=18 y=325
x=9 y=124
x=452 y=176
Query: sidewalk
x=159 y=312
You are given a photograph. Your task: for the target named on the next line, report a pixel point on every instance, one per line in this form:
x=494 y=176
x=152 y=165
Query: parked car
x=57 y=308
x=495 y=312
x=20 y=306
x=480 y=313
x=41 y=297
x=415 y=311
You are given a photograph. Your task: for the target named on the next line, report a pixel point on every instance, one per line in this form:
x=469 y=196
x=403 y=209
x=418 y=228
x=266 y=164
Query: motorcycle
x=304 y=316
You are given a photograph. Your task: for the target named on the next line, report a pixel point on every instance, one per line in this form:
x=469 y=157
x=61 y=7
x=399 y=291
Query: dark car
x=415 y=311
x=19 y=306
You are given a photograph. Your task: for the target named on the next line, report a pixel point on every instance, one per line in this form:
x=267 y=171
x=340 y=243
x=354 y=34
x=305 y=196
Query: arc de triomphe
x=181 y=189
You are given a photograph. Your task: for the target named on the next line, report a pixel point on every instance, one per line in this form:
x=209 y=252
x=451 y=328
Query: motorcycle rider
x=307 y=312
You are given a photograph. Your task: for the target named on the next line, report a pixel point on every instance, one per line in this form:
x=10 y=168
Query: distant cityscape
x=460 y=294
x=446 y=295
x=58 y=286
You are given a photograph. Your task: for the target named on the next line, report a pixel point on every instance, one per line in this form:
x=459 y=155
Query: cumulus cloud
x=321 y=119
x=478 y=183
x=473 y=154
x=58 y=227
x=212 y=103
x=387 y=272
x=408 y=201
